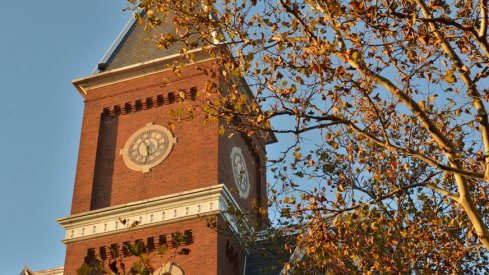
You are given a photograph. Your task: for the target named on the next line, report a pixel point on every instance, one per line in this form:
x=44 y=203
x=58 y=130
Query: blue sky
x=44 y=45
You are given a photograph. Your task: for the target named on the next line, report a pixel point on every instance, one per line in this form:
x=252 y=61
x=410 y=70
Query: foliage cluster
x=385 y=103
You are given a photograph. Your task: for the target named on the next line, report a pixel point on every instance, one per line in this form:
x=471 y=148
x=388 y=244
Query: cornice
x=197 y=203
x=85 y=84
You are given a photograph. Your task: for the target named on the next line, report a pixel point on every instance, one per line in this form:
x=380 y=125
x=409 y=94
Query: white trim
x=83 y=85
x=153 y=212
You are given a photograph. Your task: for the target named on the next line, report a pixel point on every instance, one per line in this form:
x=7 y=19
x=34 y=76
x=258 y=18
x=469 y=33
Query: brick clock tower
x=133 y=170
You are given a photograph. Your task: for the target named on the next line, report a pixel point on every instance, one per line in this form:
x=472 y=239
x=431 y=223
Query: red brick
x=200 y=158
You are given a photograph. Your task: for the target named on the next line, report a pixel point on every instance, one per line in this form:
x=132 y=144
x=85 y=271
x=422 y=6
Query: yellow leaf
x=221 y=130
x=355 y=56
x=450 y=78
x=336 y=221
x=182 y=94
x=260 y=118
x=335 y=145
x=298 y=156
x=341 y=187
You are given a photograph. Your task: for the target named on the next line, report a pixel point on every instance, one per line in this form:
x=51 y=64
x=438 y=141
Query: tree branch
x=438 y=165
x=465 y=199
x=443 y=191
x=471 y=86
x=483 y=29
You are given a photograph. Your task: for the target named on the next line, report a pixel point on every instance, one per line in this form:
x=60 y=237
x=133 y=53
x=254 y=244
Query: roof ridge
x=118 y=40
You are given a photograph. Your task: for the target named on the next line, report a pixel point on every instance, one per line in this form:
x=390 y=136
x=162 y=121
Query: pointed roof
x=26 y=271
x=135 y=45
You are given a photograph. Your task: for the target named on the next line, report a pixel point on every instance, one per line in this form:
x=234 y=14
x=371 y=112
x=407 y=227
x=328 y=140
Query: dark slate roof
x=135 y=45
x=267 y=257
x=258 y=265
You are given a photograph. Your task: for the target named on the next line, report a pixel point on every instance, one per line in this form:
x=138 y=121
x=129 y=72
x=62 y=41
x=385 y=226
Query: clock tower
x=142 y=179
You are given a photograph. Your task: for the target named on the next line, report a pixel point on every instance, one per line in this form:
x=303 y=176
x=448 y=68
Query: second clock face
x=148 y=147
x=240 y=172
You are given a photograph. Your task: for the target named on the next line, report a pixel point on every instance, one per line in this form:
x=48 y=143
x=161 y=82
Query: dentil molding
x=148 y=213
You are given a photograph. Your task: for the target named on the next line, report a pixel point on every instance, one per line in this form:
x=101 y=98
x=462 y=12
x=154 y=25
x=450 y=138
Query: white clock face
x=148 y=147
x=240 y=172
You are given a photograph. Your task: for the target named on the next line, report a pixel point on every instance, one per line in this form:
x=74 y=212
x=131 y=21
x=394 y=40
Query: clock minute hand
x=147 y=153
x=147 y=150
x=148 y=145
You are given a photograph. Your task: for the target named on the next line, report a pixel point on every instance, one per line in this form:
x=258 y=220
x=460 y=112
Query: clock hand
x=147 y=152
x=149 y=145
x=146 y=141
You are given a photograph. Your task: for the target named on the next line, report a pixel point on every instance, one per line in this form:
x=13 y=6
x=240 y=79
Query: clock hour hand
x=147 y=151
x=148 y=144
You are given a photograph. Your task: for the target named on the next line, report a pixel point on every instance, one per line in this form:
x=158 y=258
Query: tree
x=386 y=103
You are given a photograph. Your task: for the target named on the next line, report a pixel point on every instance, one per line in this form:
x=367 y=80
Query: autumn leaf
x=297 y=156
x=311 y=162
x=450 y=77
x=222 y=130
x=341 y=187
x=337 y=77
x=171 y=126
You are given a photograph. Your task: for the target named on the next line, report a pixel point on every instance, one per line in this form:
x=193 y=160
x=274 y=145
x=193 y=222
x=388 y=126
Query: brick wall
x=230 y=254
x=102 y=178
x=202 y=259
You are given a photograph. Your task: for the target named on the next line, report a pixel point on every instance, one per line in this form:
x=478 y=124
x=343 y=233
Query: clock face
x=148 y=147
x=240 y=172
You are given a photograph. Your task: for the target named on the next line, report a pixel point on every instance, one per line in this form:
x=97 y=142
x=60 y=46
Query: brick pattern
x=231 y=257
x=112 y=114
